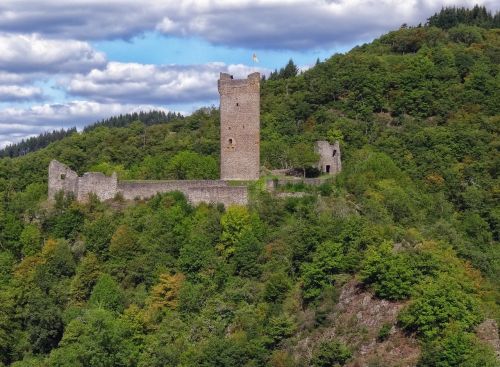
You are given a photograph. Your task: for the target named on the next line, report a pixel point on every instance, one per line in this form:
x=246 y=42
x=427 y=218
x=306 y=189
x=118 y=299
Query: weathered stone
x=329 y=157
x=240 y=158
x=61 y=177
x=239 y=127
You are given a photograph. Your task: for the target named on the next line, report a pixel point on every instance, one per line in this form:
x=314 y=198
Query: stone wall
x=273 y=184
x=144 y=189
x=228 y=195
x=329 y=157
x=239 y=127
x=61 y=177
x=105 y=187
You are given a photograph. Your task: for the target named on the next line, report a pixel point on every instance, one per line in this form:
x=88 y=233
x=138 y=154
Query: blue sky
x=67 y=63
x=156 y=48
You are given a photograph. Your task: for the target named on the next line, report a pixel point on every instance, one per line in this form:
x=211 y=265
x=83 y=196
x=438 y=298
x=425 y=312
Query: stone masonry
x=240 y=157
x=329 y=157
x=61 y=177
x=239 y=127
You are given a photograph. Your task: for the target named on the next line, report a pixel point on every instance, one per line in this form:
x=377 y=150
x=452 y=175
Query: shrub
x=276 y=287
x=330 y=353
x=457 y=348
x=389 y=274
x=438 y=304
x=384 y=332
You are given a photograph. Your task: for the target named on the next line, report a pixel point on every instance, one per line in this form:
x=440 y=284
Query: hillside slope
x=398 y=257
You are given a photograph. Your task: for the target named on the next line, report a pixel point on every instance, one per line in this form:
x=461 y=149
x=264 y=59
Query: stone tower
x=329 y=157
x=239 y=127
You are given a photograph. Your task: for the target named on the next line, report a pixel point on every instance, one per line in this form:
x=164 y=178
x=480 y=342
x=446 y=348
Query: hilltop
x=395 y=260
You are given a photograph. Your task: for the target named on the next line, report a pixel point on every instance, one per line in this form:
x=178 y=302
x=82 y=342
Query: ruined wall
x=330 y=158
x=61 y=177
x=240 y=127
x=196 y=191
x=144 y=189
x=273 y=184
x=105 y=187
x=228 y=195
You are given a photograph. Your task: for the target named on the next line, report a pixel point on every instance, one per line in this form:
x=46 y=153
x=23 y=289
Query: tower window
x=334 y=152
x=231 y=141
x=63 y=176
x=237 y=104
x=327 y=168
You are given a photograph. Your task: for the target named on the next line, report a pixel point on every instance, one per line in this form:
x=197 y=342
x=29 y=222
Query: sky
x=66 y=63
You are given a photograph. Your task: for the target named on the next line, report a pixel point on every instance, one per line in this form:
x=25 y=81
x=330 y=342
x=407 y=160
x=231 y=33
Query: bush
x=438 y=304
x=316 y=276
x=330 y=353
x=457 y=348
x=276 y=287
x=466 y=34
x=389 y=274
x=384 y=332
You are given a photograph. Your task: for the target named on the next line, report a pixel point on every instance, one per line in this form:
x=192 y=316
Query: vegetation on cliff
x=413 y=217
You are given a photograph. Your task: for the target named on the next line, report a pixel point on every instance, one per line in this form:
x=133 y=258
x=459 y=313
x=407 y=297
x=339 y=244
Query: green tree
x=438 y=304
x=87 y=273
x=389 y=274
x=302 y=155
x=457 y=348
x=189 y=165
x=97 y=339
x=107 y=294
x=31 y=240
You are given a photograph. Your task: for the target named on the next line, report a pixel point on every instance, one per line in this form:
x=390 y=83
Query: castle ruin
x=239 y=127
x=240 y=141
x=329 y=157
x=240 y=158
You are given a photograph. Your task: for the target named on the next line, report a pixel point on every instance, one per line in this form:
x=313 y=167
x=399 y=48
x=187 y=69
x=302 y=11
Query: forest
x=413 y=220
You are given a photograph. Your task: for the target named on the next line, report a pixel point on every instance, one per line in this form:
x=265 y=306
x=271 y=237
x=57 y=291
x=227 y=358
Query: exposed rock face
x=356 y=320
x=488 y=331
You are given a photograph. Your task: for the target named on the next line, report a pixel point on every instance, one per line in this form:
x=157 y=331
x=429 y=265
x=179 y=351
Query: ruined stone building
x=329 y=157
x=239 y=127
x=240 y=160
x=239 y=157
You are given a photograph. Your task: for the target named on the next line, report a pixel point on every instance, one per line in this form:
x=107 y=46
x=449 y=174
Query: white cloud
x=12 y=78
x=29 y=53
x=165 y=84
x=73 y=113
x=16 y=92
x=259 y=24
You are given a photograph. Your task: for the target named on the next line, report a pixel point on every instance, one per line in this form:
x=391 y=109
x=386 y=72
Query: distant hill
x=35 y=143
x=394 y=261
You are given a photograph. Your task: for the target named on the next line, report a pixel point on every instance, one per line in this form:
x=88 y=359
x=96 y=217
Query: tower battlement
x=239 y=127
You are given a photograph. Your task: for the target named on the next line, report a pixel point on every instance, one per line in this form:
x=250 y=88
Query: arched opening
x=230 y=141
x=334 y=152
